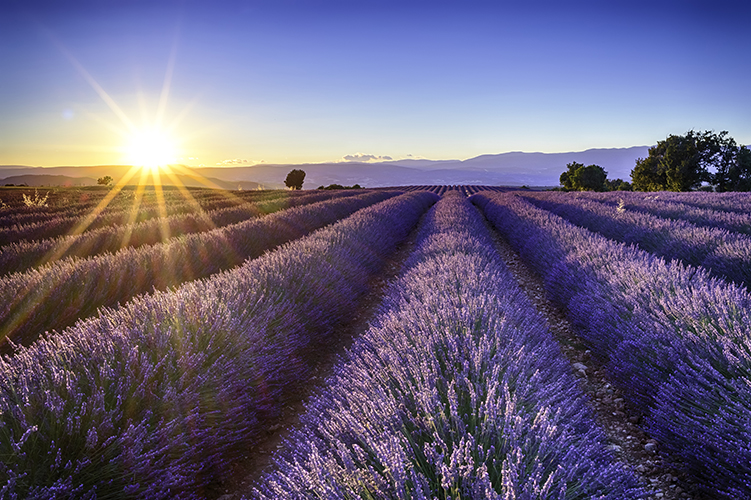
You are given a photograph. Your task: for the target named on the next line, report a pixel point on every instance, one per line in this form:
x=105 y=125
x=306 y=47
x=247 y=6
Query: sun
x=150 y=148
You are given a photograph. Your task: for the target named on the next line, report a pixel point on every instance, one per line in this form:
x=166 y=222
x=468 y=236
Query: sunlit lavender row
x=56 y=295
x=728 y=201
x=677 y=341
x=155 y=399
x=738 y=221
x=130 y=208
x=21 y=256
x=726 y=254
x=119 y=207
x=457 y=391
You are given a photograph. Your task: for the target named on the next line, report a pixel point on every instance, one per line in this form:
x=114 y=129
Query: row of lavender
x=676 y=340
x=465 y=190
x=70 y=203
x=683 y=208
x=457 y=391
x=726 y=254
x=728 y=202
x=20 y=256
x=56 y=295
x=49 y=226
x=155 y=399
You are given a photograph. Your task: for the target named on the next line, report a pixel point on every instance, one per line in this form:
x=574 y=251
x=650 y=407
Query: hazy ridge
x=513 y=169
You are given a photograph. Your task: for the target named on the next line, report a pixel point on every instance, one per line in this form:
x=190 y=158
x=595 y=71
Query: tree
x=295 y=179
x=105 y=181
x=618 y=185
x=732 y=164
x=684 y=162
x=581 y=178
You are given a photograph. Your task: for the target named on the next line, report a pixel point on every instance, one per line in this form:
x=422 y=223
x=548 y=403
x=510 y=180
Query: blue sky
x=234 y=82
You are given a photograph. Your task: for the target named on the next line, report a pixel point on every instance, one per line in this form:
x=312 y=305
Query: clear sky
x=285 y=81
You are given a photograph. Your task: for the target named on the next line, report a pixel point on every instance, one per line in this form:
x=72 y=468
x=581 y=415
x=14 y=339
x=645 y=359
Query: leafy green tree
x=295 y=179
x=581 y=178
x=732 y=164
x=105 y=181
x=684 y=162
x=618 y=185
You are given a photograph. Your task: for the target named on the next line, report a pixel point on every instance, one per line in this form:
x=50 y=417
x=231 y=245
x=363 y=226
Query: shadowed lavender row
x=153 y=400
x=676 y=340
x=56 y=295
x=125 y=208
x=726 y=254
x=457 y=391
x=18 y=257
x=738 y=221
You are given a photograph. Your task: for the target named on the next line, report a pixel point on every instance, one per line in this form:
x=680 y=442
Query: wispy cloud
x=360 y=157
x=236 y=161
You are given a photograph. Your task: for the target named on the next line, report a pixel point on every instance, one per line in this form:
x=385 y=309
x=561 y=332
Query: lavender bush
x=726 y=254
x=56 y=295
x=18 y=257
x=154 y=399
x=130 y=208
x=738 y=221
x=676 y=340
x=457 y=391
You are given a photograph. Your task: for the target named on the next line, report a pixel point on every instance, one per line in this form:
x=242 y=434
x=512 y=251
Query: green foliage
x=733 y=168
x=105 y=181
x=295 y=179
x=618 y=185
x=581 y=178
x=684 y=162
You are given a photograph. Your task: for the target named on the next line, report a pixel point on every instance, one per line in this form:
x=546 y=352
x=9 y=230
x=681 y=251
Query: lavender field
x=154 y=344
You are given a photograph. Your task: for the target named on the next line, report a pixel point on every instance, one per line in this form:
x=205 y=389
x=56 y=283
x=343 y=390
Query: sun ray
x=95 y=85
x=167 y=85
x=186 y=194
x=23 y=315
x=65 y=244
x=160 y=203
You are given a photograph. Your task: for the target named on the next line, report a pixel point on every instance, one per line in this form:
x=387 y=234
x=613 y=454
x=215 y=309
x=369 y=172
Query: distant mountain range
x=509 y=169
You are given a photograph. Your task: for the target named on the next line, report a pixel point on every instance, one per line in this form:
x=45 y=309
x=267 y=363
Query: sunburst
x=150 y=148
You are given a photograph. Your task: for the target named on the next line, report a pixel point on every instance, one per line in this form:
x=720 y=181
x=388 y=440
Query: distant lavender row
x=155 y=399
x=726 y=254
x=733 y=202
x=739 y=222
x=124 y=213
x=24 y=255
x=677 y=341
x=457 y=391
x=56 y=295
x=80 y=203
x=442 y=189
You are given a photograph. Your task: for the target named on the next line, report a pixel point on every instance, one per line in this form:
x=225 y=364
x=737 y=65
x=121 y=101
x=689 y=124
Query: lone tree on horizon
x=105 y=181
x=295 y=179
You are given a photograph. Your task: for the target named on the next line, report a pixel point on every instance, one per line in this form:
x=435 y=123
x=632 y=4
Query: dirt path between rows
x=629 y=443
x=245 y=473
